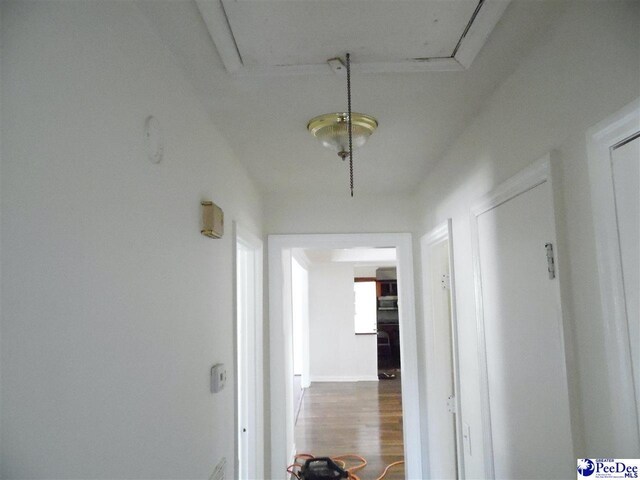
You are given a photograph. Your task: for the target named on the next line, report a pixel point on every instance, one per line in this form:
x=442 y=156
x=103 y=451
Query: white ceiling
x=264 y=117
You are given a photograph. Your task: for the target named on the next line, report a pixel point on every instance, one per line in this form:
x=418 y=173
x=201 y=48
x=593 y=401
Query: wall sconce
x=212 y=220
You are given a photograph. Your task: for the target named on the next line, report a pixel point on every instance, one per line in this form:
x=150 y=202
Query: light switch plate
x=218 y=377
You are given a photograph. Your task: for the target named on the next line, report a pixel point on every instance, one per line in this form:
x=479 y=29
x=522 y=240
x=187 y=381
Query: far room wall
x=336 y=352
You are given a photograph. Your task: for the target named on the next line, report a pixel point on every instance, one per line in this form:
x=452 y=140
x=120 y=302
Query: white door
x=625 y=164
x=440 y=382
x=614 y=152
x=526 y=390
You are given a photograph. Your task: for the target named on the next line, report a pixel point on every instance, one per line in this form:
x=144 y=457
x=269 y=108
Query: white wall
x=364 y=272
x=114 y=307
x=585 y=68
x=336 y=352
x=364 y=213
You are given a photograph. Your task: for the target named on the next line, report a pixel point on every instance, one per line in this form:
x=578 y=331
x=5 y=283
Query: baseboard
x=299 y=407
x=341 y=378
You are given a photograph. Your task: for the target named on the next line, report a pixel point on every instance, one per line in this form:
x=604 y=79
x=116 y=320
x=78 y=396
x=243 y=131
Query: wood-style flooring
x=364 y=418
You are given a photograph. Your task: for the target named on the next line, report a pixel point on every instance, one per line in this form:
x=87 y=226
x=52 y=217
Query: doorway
x=385 y=286
x=300 y=328
x=353 y=403
x=249 y=356
x=349 y=331
x=281 y=367
x=444 y=421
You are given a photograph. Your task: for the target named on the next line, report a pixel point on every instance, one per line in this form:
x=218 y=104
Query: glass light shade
x=332 y=130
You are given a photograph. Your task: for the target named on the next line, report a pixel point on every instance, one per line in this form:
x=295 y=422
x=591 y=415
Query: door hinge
x=451 y=404
x=551 y=264
x=445 y=281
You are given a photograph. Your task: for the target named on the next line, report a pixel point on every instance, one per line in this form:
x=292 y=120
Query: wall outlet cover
x=218 y=377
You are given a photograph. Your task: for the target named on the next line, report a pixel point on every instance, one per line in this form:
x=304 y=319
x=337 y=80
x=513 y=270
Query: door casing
x=280 y=369
x=439 y=235
x=249 y=353
x=601 y=140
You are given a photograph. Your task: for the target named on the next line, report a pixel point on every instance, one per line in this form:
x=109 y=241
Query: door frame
x=280 y=363
x=538 y=173
x=253 y=354
x=602 y=139
x=444 y=233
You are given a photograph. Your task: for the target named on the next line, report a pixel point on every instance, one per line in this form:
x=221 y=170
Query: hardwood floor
x=363 y=418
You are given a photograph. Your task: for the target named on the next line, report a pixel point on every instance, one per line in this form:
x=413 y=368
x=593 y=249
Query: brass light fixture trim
x=331 y=129
x=342 y=131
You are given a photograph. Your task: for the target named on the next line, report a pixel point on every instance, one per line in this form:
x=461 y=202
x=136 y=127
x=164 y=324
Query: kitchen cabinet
x=386 y=288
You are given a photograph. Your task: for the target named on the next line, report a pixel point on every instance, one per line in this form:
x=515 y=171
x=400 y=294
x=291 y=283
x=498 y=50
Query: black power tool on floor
x=322 y=468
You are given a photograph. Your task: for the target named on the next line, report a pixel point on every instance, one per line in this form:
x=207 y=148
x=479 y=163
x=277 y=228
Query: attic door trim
x=472 y=41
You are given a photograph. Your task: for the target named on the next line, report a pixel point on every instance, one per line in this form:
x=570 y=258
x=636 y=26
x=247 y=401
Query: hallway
x=123 y=351
x=363 y=418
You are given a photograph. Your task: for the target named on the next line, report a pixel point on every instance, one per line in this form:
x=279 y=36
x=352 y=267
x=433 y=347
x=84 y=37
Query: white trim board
x=601 y=140
x=444 y=233
x=280 y=362
x=536 y=174
x=248 y=239
x=471 y=42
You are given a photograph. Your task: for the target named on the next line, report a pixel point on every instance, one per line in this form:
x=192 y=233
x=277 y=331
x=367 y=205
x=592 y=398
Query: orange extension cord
x=340 y=460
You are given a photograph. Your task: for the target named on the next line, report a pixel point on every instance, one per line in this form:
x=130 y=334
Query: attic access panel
x=299 y=36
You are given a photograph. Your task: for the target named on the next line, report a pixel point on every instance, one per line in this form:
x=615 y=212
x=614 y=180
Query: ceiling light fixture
x=343 y=131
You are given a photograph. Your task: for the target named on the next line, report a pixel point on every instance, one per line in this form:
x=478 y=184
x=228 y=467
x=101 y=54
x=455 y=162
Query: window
x=365 y=307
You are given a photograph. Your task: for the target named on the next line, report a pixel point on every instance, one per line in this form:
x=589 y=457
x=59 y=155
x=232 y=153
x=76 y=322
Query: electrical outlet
x=218 y=472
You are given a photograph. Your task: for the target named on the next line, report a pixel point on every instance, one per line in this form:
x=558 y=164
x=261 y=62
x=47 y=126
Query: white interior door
x=300 y=331
x=443 y=402
x=527 y=399
x=613 y=170
x=625 y=165
x=299 y=302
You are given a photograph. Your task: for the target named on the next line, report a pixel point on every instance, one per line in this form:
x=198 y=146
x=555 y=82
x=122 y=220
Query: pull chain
x=349 y=125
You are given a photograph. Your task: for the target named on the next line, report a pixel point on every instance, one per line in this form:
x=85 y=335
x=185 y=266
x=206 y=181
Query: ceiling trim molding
x=487 y=16
x=217 y=23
